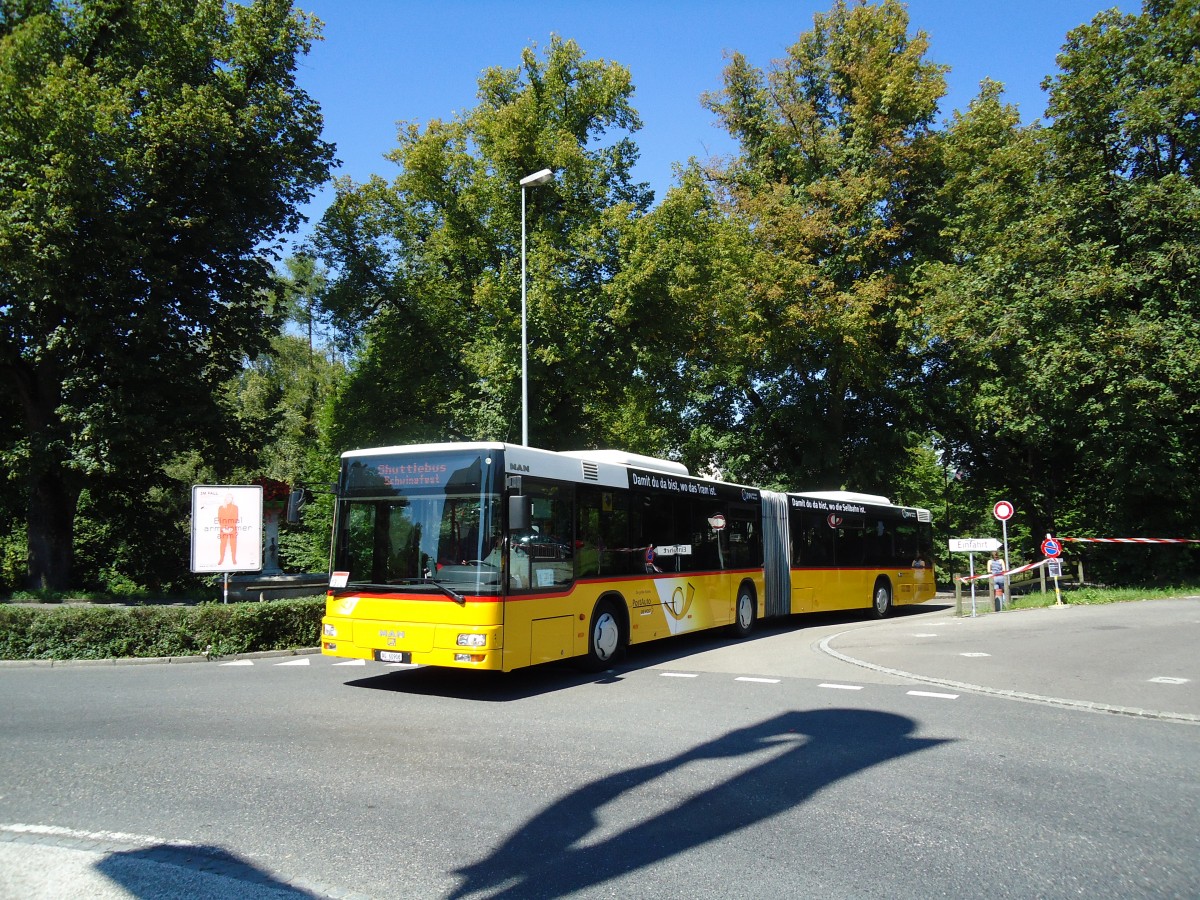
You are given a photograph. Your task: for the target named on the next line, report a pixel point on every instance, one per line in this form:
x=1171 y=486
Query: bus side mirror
x=295 y=502
x=519 y=512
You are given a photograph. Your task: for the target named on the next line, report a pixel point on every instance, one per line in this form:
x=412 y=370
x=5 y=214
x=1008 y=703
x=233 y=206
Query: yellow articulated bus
x=494 y=556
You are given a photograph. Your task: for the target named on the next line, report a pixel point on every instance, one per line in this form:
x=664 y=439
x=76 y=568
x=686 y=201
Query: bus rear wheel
x=882 y=601
x=605 y=637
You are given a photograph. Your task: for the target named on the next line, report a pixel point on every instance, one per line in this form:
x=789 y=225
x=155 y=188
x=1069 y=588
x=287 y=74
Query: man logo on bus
x=833 y=520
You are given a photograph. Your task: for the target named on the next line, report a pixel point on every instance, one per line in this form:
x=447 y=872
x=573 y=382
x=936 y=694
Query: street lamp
x=542 y=177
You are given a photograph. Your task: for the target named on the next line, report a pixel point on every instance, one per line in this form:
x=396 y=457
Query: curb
x=150 y=660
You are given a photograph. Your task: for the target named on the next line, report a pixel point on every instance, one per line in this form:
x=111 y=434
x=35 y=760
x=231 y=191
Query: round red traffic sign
x=1051 y=548
x=1003 y=510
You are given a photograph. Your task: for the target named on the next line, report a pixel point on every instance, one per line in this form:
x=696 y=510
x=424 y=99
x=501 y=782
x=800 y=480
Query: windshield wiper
x=449 y=592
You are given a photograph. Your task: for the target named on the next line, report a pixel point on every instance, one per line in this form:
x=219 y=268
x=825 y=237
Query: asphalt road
x=1047 y=753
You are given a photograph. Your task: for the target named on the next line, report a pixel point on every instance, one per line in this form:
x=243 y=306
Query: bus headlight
x=472 y=640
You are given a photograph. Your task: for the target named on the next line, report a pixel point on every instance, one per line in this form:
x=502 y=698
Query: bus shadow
x=489 y=687
x=506 y=687
x=786 y=760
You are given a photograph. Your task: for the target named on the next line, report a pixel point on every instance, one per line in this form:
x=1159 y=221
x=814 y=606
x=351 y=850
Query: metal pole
x=1007 y=599
x=971 y=559
x=524 y=338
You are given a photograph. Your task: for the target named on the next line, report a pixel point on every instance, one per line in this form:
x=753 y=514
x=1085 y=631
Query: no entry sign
x=1003 y=511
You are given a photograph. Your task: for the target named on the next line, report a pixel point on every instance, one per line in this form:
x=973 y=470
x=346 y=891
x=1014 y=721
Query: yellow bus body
x=526 y=629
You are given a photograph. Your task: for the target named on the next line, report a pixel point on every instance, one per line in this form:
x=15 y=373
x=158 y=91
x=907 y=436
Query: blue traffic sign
x=1051 y=548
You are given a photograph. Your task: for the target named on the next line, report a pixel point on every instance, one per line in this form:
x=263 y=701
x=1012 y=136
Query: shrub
x=108 y=632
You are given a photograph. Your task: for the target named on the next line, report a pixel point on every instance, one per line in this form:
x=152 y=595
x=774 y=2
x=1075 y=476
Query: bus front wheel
x=604 y=636
x=882 y=601
x=743 y=613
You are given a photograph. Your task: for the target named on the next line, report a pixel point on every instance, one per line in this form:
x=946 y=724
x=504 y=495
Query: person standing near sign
x=227 y=522
x=996 y=568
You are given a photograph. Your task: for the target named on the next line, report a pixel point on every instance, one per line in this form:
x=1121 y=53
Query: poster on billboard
x=227 y=528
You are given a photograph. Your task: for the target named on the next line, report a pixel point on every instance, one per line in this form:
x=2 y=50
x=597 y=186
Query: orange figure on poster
x=227 y=521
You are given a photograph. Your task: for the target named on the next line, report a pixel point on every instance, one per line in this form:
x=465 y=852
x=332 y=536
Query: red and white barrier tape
x=1003 y=574
x=1132 y=540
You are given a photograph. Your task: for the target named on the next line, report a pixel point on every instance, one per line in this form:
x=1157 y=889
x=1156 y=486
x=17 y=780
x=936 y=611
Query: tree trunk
x=52 y=504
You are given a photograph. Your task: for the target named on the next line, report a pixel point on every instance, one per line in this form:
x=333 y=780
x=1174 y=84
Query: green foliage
x=836 y=158
x=151 y=150
x=428 y=267
x=107 y=632
x=1063 y=309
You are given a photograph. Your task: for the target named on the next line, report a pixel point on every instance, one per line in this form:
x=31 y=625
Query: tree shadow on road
x=551 y=855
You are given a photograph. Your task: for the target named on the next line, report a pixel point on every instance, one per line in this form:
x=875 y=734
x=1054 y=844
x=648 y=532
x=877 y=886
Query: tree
x=428 y=266
x=1067 y=310
x=835 y=166
x=150 y=150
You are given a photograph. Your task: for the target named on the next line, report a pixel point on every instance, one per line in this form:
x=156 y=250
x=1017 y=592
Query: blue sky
x=389 y=60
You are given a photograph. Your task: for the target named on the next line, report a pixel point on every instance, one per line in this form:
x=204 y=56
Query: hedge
x=108 y=632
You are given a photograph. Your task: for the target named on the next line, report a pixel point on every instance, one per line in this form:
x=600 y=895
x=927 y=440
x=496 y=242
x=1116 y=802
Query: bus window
x=543 y=557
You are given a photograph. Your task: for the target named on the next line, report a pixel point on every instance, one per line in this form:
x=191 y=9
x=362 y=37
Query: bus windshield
x=442 y=530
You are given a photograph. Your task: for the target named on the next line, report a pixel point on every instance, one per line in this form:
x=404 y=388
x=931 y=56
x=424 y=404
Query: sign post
x=971 y=546
x=1003 y=511
x=1052 y=549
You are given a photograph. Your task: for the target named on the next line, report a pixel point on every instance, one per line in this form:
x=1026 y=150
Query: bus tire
x=606 y=637
x=881 y=600
x=745 y=610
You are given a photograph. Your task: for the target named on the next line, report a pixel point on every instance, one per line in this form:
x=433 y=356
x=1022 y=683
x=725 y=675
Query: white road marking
x=123 y=837
x=933 y=694
x=842 y=687
x=975 y=654
x=1167 y=679
x=294 y=662
x=678 y=674
x=925 y=634
x=758 y=680
x=239 y=662
x=352 y=662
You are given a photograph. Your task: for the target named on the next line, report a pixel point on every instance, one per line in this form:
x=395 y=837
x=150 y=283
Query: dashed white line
x=303 y=661
x=758 y=680
x=352 y=662
x=1167 y=679
x=678 y=674
x=239 y=662
x=842 y=687
x=974 y=654
x=933 y=694
x=925 y=634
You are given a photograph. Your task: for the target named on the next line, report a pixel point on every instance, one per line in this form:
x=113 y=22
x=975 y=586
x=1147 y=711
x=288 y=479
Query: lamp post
x=540 y=177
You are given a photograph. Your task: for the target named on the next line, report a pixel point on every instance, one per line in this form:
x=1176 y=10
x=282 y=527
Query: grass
x=1079 y=596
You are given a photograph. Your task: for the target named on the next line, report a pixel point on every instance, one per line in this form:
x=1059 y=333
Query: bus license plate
x=393 y=656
